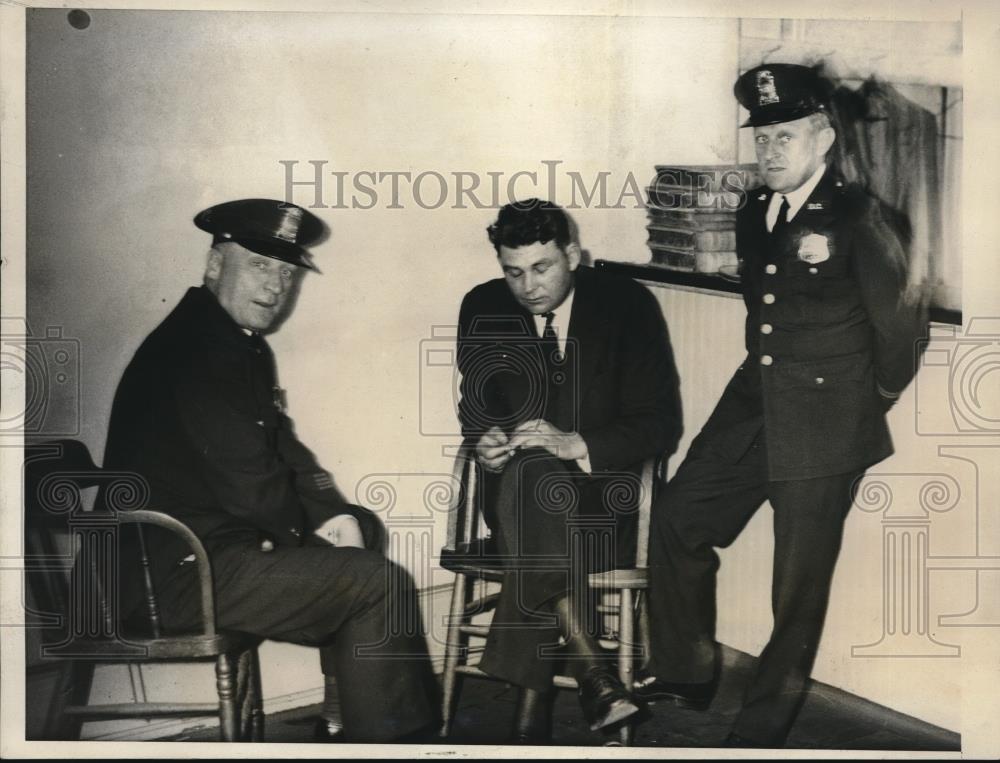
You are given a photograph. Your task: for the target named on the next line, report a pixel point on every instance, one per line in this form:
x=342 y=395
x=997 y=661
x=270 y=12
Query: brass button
x=766 y=360
x=768 y=299
x=814 y=271
x=766 y=328
x=820 y=380
x=771 y=269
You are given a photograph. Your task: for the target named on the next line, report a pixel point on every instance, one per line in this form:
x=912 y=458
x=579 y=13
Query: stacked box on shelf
x=692 y=215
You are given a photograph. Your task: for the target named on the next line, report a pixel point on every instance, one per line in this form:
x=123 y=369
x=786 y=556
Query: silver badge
x=766 y=92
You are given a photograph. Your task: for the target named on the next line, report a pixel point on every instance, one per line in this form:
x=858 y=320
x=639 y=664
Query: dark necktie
x=552 y=359
x=782 y=220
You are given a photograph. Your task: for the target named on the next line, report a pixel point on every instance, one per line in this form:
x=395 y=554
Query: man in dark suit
x=831 y=343
x=568 y=385
x=200 y=416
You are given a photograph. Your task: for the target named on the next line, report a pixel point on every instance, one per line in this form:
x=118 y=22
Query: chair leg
x=257 y=702
x=229 y=725
x=72 y=688
x=452 y=652
x=626 y=627
x=244 y=693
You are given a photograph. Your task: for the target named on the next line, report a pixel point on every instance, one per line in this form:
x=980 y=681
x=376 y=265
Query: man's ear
x=826 y=138
x=573 y=254
x=213 y=268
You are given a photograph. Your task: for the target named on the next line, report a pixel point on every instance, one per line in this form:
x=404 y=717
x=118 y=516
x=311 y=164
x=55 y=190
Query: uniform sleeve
x=255 y=469
x=314 y=485
x=649 y=418
x=899 y=325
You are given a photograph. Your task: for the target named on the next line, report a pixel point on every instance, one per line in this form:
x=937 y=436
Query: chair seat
x=479 y=556
x=633 y=578
x=173 y=647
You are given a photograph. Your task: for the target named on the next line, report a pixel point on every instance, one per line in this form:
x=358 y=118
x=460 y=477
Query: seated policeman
x=200 y=416
x=568 y=385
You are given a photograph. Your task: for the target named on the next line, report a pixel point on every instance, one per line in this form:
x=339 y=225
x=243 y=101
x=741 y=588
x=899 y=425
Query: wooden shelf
x=719 y=285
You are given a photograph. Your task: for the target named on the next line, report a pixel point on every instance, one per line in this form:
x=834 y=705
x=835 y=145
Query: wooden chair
x=75 y=604
x=472 y=556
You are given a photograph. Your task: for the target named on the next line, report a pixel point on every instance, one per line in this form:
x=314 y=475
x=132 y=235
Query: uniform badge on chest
x=814 y=248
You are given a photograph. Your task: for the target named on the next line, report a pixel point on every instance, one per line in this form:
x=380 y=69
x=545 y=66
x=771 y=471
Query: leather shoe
x=694 y=696
x=604 y=699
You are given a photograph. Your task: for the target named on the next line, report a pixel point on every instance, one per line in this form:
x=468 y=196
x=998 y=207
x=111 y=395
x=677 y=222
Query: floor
x=830 y=720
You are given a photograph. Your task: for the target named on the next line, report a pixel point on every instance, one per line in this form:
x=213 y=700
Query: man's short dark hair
x=529 y=222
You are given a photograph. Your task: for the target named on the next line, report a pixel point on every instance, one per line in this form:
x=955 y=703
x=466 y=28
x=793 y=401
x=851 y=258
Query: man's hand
x=341 y=530
x=493 y=451
x=538 y=433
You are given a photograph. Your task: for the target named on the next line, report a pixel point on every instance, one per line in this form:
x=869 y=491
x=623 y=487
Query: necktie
x=782 y=221
x=552 y=359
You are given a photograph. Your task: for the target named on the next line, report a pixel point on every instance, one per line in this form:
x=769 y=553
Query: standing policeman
x=831 y=343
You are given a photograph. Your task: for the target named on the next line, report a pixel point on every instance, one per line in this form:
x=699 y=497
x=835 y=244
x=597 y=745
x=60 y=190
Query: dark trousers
x=554 y=525
x=358 y=607
x=706 y=505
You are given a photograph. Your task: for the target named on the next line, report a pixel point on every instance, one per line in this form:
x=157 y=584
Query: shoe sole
x=618 y=712
x=675 y=699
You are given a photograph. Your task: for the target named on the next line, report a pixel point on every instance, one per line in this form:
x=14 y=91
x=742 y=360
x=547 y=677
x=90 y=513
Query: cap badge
x=288 y=229
x=766 y=91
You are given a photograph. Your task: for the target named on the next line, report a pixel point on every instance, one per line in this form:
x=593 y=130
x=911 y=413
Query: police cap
x=277 y=229
x=774 y=93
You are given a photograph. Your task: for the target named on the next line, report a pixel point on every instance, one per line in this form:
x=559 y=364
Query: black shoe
x=692 y=696
x=530 y=738
x=322 y=732
x=735 y=740
x=604 y=699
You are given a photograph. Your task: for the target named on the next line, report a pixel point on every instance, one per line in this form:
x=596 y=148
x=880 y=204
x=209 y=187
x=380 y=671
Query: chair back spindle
x=152 y=607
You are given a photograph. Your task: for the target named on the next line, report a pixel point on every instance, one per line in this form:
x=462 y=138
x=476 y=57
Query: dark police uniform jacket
x=198 y=415
x=619 y=388
x=829 y=342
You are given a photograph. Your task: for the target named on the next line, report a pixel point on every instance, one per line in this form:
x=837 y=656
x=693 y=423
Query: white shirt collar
x=560 y=319
x=795 y=198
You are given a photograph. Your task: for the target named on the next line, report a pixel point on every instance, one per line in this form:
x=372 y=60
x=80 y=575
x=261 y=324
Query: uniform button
x=768 y=299
x=814 y=271
x=820 y=380
x=296 y=532
x=771 y=269
x=766 y=328
x=766 y=360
